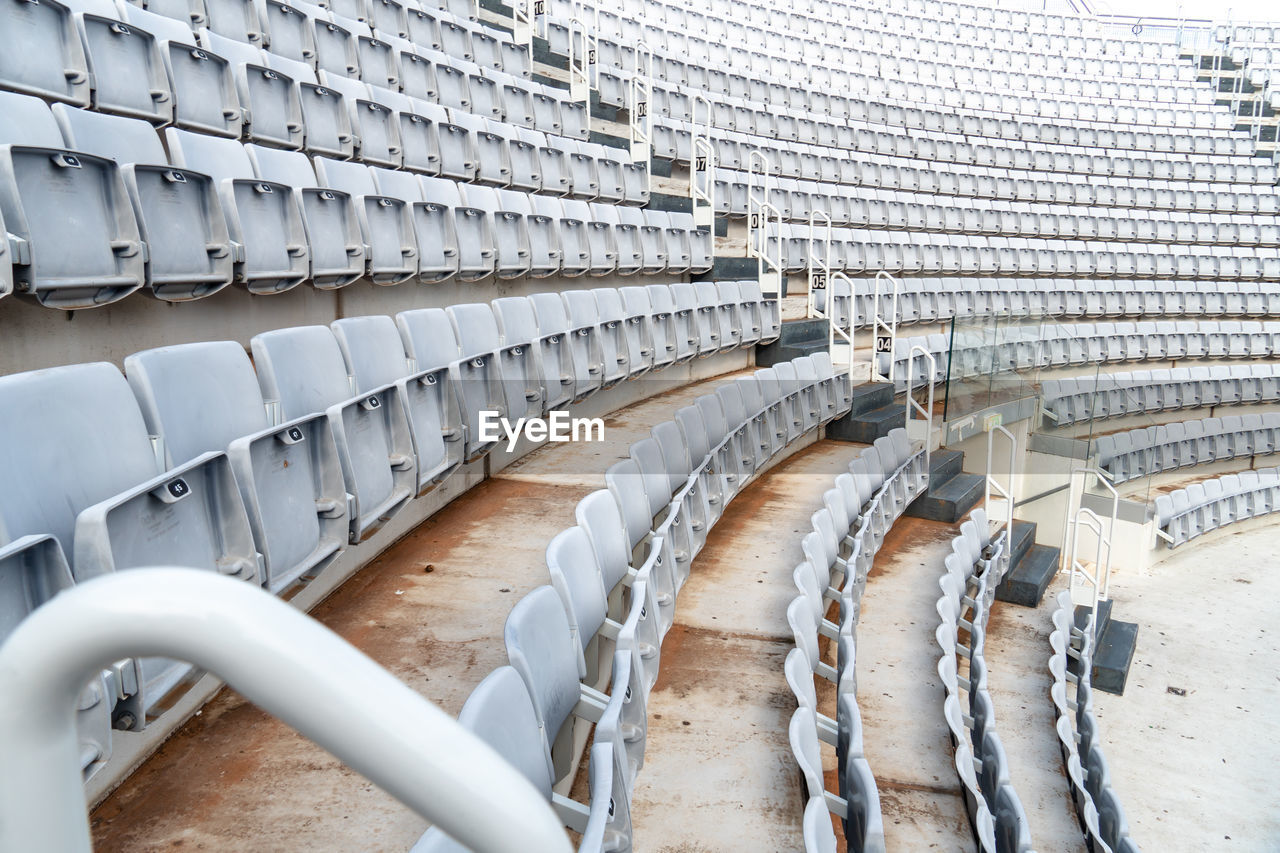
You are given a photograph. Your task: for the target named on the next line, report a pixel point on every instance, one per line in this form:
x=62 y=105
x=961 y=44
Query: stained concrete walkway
x=900 y=695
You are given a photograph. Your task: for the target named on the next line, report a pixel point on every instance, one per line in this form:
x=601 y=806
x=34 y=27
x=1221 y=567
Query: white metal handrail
x=702 y=171
x=819 y=266
x=840 y=342
x=285 y=662
x=1081 y=574
x=884 y=332
x=641 y=104
x=992 y=485
x=926 y=412
x=1100 y=578
x=759 y=211
x=582 y=61
x=524 y=15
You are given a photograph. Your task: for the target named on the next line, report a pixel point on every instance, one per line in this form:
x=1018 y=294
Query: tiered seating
x=303 y=145
x=1071 y=666
x=615 y=580
x=1142 y=452
x=1041 y=346
x=930 y=300
x=1112 y=395
x=974 y=569
x=265 y=471
x=847 y=533
x=1184 y=514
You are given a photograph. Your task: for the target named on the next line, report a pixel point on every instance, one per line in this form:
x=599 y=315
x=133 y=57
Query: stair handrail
x=641 y=116
x=1101 y=577
x=582 y=62
x=840 y=343
x=819 y=266
x=524 y=17
x=926 y=413
x=285 y=662
x=702 y=168
x=889 y=327
x=993 y=485
x=759 y=208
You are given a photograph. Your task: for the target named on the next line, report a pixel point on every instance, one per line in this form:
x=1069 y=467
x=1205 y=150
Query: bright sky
x=1220 y=10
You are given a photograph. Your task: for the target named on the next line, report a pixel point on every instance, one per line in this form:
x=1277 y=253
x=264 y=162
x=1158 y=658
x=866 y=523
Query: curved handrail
x=282 y=660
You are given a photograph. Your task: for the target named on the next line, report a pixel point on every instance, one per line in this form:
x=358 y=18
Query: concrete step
x=1113 y=656
x=1029 y=577
x=950 y=500
x=1081 y=616
x=944 y=464
x=868 y=426
x=1023 y=537
x=796 y=338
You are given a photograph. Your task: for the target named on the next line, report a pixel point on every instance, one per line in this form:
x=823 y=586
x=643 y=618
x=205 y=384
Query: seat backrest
x=125 y=140
x=373 y=350
x=428 y=337
x=301 y=369
x=197 y=397
x=501 y=712
x=541 y=648
x=70 y=437
x=575 y=576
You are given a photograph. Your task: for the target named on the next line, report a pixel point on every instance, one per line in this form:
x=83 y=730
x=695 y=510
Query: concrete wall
x=32 y=337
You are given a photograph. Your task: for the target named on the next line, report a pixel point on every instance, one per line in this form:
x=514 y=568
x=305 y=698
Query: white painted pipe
x=282 y=660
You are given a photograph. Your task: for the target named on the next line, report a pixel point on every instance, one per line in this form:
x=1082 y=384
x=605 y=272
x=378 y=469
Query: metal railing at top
x=280 y=659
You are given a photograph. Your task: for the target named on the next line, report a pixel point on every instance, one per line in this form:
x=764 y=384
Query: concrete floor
x=1199 y=771
x=1017 y=653
x=900 y=695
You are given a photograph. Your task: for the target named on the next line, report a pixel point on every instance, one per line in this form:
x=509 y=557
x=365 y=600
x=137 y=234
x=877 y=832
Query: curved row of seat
x=1142 y=452
x=1041 y=346
x=929 y=300
x=1071 y=665
x=615 y=580
x=208 y=211
x=267 y=470
x=927 y=253
x=838 y=553
x=854 y=56
x=974 y=568
x=1112 y=395
x=1184 y=514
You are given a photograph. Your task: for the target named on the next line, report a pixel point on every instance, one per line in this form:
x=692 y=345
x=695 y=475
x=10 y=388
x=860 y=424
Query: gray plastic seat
x=263 y=218
x=106 y=259
x=127 y=65
x=543 y=233
x=552 y=382
x=502 y=713
x=637 y=313
x=582 y=342
x=33 y=570
x=80 y=468
x=606 y=324
x=509 y=234
x=203 y=397
x=472 y=228
x=375 y=358
x=374 y=123
x=386 y=220
x=542 y=650
x=178 y=212
x=41 y=53
x=666 y=349
x=272 y=109
x=430 y=339
x=329 y=215
x=301 y=371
